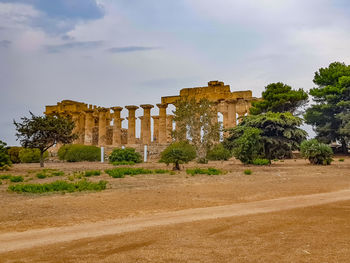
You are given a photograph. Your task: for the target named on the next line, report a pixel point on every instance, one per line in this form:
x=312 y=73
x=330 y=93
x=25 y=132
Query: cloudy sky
x=121 y=52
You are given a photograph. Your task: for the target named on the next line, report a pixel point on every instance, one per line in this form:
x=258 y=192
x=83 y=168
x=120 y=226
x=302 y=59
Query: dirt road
x=12 y=241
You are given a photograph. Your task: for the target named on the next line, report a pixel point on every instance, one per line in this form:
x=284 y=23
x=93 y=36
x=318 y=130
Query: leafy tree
x=43 y=132
x=279 y=136
x=330 y=114
x=245 y=143
x=5 y=161
x=279 y=97
x=316 y=152
x=178 y=153
x=195 y=121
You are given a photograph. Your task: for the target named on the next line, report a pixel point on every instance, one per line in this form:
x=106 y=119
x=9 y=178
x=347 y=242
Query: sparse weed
x=92 y=172
x=209 y=171
x=248 y=172
x=341 y=160
x=122 y=171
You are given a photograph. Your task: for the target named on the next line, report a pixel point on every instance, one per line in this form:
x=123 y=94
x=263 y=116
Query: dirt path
x=22 y=240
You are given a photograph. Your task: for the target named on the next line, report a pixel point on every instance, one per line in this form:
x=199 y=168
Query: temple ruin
x=93 y=123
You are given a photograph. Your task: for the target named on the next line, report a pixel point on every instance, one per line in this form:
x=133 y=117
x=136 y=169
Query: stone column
x=89 y=125
x=117 y=126
x=231 y=113
x=241 y=109
x=76 y=130
x=131 y=124
x=162 y=123
x=102 y=131
x=81 y=128
x=169 y=127
x=146 y=123
x=155 y=128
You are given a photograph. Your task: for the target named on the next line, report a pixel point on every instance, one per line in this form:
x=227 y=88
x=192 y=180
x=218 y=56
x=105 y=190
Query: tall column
x=155 y=128
x=162 y=123
x=146 y=123
x=76 y=130
x=169 y=127
x=231 y=113
x=89 y=125
x=131 y=123
x=81 y=128
x=241 y=109
x=117 y=126
x=102 y=131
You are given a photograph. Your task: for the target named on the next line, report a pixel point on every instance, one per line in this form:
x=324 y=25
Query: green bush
x=92 y=173
x=78 y=153
x=59 y=186
x=41 y=175
x=209 y=171
x=341 y=160
x=122 y=171
x=13 y=152
x=316 y=152
x=248 y=172
x=27 y=155
x=261 y=162
x=219 y=153
x=125 y=155
x=5 y=176
x=178 y=153
x=5 y=160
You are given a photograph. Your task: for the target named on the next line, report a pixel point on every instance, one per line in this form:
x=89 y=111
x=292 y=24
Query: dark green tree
x=330 y=114
x=279 y=97
x=197 y=121
x=178 y=153
x=5 y=160
x=277 y=133
x=43 y=132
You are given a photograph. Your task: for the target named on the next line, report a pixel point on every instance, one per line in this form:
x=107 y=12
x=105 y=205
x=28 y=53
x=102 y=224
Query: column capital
x=155 y=117
x=162 y=105
x=231 y=101
x=117 y=108
x=131 y=107
x=146 y=106
x=103 y=110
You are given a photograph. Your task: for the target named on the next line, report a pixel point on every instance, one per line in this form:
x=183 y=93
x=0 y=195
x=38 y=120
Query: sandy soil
x=147 y=195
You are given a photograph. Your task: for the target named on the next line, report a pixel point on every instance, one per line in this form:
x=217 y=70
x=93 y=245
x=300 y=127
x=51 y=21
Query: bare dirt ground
x=314 y=234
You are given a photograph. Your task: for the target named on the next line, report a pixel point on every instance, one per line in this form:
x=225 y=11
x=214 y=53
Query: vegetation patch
x=58 y=186
x=261 y=162
x=316 y=152
x=122 y=171
x=12 y=178
x=178 y=153
x=209 y=171
x=219 y=152
x=49 y=173
x=92 y=173
x=341 y=160
x=161 y=171
x=123 y=163
x=248 y=172
x=27 y=155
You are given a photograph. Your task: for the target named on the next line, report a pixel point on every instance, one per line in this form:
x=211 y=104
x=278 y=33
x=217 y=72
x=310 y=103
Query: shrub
x=5 y=160
x=5 y=176
x=341 y=160
x=92 y=172
x=27 y=155
x=59 y=186
x=125 y=155
x=219 y=153
x=41 y=175
x=13 y=152
x=121 y=172
x=316 y=152
x=261 y=162
x=178 y=153
x=209 y=171
x=78 y=153
x=248 y=172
